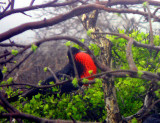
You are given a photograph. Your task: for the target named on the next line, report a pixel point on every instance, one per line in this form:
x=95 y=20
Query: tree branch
x=49 y=4
x=150 y=25
x=130 y=56
x=75 y=12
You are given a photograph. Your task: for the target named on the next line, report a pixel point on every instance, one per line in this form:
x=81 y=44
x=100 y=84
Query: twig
x=54 y=75
x=135 y=42
x=49 y=4
x=74 y=65
x=2 y=2
x=154 y=13
x=12 y=45
x=11 y=57
x=150 y=25
x=26 y=14
x=6 y=104
x=12 y=4
x=32 y=2
x=5 y=54
x=129 y=55
x=9 y=4
x=62 y=17
x=74 y=121
x=18 y=65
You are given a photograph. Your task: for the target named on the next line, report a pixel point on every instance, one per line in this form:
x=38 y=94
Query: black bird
x=83 y=62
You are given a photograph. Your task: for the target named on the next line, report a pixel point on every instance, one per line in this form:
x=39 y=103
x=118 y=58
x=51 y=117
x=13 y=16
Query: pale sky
x=18 y=19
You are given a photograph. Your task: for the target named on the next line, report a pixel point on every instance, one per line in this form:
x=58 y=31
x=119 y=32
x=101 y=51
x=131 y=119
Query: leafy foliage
x=88 y=104
x=131 y=91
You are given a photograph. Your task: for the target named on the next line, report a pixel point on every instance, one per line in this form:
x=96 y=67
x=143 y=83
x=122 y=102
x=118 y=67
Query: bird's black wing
x=68 y=87
x=61 y=75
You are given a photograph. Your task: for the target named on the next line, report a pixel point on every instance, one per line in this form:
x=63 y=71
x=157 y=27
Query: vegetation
x=126 y=87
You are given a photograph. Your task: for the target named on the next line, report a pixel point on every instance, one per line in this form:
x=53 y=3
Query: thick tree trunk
x=89 y=22
x=113 y=114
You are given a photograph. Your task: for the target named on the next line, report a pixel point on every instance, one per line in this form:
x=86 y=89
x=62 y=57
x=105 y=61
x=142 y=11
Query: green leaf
x=39 y=83
x=37 y=96
x=145 y=4
x=3 y=82
x=51 y=83
x=90 y=72
x=34 y=47
x=4 y=70
x=121 y=31
x=85 y=80
x=74 y=109
x=89 y=32
x=143 y=62
x=68 y=43
x=157 y=92
x=95 y=48
x=98 y=80
x=75 y=82
x=127 y=75
x=140 y=73
x=45 y=69
x=69 y=114
x=15 y=62
x=82 y=40
x=10 y=80
x=142 y=89
x=14 y=52
x=46 y=106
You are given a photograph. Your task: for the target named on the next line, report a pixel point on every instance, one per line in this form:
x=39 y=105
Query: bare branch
x=9 y=4
x=37 y=119
x=150 y=25
x=74 y=65
x=129 y=55
x=12 y=4
x=154 y=13
x=75 y=12
x=54 y=75
x=17 y=66
x=157 y=48
x=130 y=2
x=8 y=107
x=49 y=4
x=32 y=2
x=12 y=45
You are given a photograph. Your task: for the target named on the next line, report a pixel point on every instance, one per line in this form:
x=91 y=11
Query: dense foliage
x=88 y=103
